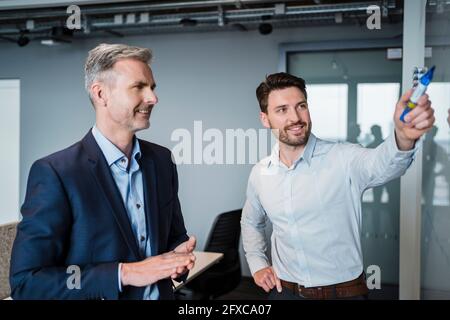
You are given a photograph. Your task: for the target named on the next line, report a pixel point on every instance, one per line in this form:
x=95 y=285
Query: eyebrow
x=143 y=83
x=285 y=105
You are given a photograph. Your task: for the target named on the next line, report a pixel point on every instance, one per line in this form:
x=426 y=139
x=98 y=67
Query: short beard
x=299 y=141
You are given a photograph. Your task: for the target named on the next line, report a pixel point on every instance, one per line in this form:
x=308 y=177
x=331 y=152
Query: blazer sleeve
x=177 y=232
x=38 y=260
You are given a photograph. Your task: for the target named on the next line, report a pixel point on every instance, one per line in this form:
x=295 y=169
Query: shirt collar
x=309 y=150
x=110 y=151
x=306 y=155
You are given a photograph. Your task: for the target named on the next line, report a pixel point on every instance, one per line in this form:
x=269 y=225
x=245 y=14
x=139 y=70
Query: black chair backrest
x=225 y=275
x=225 y=233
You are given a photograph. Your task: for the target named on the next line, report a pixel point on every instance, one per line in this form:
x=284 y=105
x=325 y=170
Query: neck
x=120 y=138
x=288 y=154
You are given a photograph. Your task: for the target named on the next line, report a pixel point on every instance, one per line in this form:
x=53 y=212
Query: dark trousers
x=288 y=295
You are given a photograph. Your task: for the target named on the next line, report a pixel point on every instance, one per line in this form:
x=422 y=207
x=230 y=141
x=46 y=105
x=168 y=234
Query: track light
x=188 y=22
x=58 y=36
x=23 y=39
x=265 y=28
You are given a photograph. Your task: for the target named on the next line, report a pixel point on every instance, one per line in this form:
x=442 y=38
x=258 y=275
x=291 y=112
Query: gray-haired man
x=106 y=209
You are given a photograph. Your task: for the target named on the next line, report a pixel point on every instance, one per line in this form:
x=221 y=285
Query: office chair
x=226 y=275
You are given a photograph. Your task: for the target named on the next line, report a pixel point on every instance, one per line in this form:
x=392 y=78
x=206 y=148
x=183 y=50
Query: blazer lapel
x=148 y=168
x=107 y=185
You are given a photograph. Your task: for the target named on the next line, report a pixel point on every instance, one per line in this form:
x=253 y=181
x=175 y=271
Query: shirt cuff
x=120 y=280
x=257 y=263
x=400 y=154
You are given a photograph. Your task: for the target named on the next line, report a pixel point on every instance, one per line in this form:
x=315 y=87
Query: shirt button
x=138 y=205
x=142 y=238
x=123 y=160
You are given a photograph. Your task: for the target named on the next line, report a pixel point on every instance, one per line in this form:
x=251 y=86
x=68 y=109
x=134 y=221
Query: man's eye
x=281 y=110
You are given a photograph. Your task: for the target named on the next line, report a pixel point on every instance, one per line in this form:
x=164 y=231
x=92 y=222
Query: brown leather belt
x=353 y=288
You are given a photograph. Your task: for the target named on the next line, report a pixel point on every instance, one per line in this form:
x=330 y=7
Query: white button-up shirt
x=315 y=208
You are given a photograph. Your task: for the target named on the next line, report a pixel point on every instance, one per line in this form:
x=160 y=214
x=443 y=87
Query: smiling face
x=288 y=116
x=129 y=96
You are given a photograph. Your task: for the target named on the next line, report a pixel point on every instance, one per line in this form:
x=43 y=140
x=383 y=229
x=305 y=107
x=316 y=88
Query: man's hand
x=267 y=279
x=153 y=269
x=418 y=121
x=185 y=247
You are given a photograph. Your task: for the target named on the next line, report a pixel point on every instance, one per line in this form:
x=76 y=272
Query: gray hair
x=103 y=57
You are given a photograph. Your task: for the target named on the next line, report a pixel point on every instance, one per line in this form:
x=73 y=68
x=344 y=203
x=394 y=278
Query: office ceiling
x=30 y=20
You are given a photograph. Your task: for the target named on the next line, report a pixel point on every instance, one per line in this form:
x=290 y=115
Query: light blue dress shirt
x=128 y=178
x=315 y=209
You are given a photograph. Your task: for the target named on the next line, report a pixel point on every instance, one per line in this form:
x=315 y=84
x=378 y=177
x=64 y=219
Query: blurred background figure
x=354 y=132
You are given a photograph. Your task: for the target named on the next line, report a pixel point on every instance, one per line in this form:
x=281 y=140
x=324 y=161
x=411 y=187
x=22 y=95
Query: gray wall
x=201 y=76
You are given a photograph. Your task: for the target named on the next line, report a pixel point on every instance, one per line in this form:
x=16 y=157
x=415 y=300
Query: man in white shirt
x=311 y=191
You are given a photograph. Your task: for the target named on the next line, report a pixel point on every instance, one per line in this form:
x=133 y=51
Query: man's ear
x=99 y=94
x=264 y=119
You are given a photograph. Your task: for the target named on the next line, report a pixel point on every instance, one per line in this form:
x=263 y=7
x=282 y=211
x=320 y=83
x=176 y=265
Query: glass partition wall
x=435 y=198
x=352 y=88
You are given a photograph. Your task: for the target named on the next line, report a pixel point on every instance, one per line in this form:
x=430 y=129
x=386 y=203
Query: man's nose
x=150 y=97
x=294 y=115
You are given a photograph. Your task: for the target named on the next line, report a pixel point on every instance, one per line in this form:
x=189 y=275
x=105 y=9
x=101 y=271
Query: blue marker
x=424 y=81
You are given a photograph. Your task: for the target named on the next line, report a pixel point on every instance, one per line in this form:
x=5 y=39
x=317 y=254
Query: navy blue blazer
x=73 y=214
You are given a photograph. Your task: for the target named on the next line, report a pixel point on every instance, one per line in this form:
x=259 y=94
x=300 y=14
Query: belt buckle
x=299 y=292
